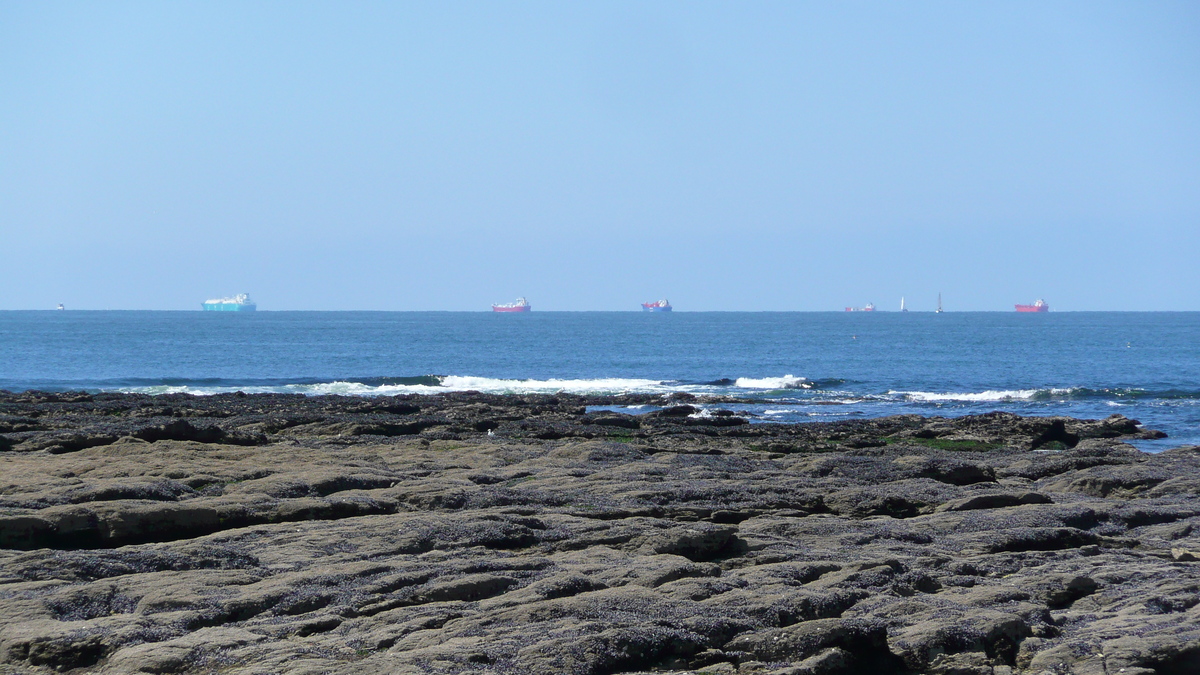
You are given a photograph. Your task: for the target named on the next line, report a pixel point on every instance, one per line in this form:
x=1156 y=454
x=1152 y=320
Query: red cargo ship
x=1039 y=306
x=521 y=305
x=660 y=306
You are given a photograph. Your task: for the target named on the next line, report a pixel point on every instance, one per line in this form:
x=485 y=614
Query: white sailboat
x=902 y=307
x=939 y=309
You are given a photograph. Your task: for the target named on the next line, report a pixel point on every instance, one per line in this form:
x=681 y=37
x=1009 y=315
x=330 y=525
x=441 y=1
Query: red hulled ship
x=660 y=306
x=521 y=305
x=1039 y=306
x=870 y=307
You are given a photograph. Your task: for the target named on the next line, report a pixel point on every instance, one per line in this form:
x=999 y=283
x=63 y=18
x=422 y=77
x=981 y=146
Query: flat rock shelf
x=472 y=533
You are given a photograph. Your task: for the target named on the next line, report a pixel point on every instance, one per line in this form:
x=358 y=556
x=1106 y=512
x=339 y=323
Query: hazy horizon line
x=633 y=311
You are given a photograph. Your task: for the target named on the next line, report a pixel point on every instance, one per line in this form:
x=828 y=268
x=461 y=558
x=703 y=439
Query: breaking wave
x=428 y=384
x=433 y=384
x=788 y=389
x=785 y=382
x=1050 y=394
x=930 y=396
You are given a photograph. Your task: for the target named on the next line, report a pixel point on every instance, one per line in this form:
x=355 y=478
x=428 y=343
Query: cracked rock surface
x=472 y=533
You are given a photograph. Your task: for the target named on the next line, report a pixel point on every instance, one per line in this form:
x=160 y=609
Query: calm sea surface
x=796 y=365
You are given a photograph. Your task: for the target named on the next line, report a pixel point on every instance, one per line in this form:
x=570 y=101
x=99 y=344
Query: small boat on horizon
x=521 y=305
x=902 y=307
x=238 y=303
x=661 y=306
x=869 y=307
x=1039 y=306
x=60 y=306
x=939 y=309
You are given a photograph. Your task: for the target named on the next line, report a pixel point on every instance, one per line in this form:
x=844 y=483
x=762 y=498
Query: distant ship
x=1039 y=306
x=939 y=309
x=902 y=307
x=870 y=307
x=238 y=303
x=60 y=306
x=521 y=305
x=660 y=306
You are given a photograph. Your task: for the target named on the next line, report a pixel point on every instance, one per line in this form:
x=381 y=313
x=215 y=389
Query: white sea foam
x=551 y=386
x=451 y=383
x=163 y=389
x=448 y=384
x=344 y=388
x=785 y=382
x=990 y=395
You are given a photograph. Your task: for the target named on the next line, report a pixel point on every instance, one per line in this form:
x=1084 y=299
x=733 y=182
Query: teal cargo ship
x=238 y=303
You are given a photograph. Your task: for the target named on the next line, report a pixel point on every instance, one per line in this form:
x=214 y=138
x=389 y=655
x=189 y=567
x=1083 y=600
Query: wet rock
x=1184 y=555
x=70 y=443
x=522 y=535
x=994 y=501
x=859 y=644
x=946 y=469
x=613 y=420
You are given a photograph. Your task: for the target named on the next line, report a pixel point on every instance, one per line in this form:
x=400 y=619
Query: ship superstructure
x=238 y=303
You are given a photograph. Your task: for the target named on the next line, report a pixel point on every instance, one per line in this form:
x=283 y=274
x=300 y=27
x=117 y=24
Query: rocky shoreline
x=473 y=533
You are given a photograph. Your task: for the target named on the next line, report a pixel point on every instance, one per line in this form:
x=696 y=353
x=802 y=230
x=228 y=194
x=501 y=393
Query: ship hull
x=648 y=308
x=525 y=308
x=227 y=307
x=1033 y=308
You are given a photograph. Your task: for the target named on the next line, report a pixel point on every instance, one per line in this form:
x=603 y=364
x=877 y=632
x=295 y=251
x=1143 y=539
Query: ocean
x=793 y=366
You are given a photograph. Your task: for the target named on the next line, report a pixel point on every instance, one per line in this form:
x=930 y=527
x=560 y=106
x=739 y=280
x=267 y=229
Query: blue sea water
x=796 y=366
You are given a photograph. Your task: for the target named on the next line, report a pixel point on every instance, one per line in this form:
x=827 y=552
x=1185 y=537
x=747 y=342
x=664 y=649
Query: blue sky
x=757 y=156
